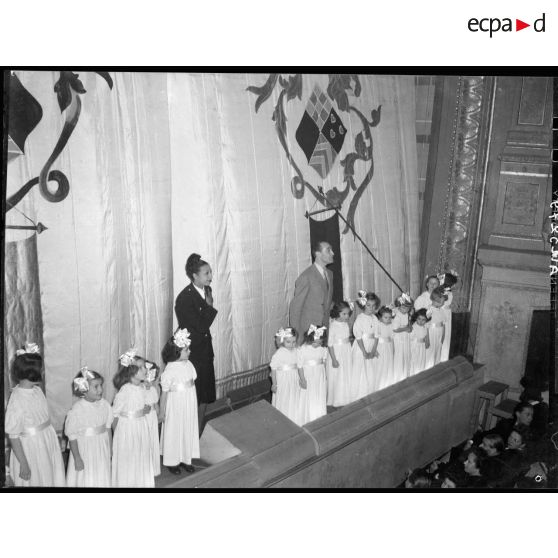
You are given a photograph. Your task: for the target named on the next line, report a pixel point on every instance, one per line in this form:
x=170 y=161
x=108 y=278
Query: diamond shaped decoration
x=307 y=135
x=321 y=132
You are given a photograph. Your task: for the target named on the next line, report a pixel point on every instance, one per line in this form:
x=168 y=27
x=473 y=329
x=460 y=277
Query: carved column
x=465 y=182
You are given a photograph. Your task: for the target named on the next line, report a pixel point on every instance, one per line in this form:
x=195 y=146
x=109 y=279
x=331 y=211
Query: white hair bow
x=182 y=338
x=318 y=332
x=405 y=299
x=128 y=357
x=361 y=297
x=283 y=333
x=151 y=371
x=29 y=348
x=81 y=383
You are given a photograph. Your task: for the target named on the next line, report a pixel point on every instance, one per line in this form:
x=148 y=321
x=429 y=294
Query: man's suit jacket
x=311 y=303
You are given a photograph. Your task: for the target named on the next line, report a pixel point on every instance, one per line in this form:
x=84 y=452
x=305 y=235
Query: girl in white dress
x=180 y=439
x=423 y=300
x=88 y=428
x=384 y=347
x=311 y=364
x=364 y=368
x=287 y=381
x=401 y=343
x=35 y=459
x=132 y=463
x=339 y=360
x=447 y=281
x=152 y=391
x=419 y=341
x=436 y=327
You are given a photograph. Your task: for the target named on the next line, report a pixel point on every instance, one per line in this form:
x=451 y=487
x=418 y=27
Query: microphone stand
x=332 y=207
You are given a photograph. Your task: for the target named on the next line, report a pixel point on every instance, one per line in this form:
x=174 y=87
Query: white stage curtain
x=232 y=202
x=168 y=164
x=105 y=261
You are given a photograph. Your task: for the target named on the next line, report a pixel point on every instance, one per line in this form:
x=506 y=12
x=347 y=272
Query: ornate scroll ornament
x=321 y=134
x=67 y=88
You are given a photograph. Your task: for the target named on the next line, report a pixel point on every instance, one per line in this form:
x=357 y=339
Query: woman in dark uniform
x=194 y=311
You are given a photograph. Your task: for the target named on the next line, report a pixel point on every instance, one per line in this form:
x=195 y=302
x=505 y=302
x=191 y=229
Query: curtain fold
x=164 y=165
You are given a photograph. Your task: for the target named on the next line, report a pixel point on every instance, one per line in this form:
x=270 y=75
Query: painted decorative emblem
x=321 y=134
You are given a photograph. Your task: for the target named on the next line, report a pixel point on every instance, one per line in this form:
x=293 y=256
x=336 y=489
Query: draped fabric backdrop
x=168 y=164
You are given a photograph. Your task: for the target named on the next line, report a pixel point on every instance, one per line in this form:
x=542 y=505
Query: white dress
x=338 y=378
x=385 y=358
x=287 y=398
x=418 y=349
x=312 y=361
x=423 y=301
x=364 y=370
x=151 y=399
x=27 y=418
x=435 y=331
x=401 y=347
x=132 y=464
x=180 y=439
x=444 y=354
x=89 y=423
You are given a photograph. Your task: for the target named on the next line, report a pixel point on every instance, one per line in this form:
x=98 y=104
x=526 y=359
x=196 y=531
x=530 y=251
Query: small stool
x=504 y=410
x=485 y=401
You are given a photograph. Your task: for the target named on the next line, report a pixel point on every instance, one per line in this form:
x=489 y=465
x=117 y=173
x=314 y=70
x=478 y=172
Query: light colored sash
x=93 y=430
x=285 y=368
x=32 y=430
x=385 y=339
x=314 y=362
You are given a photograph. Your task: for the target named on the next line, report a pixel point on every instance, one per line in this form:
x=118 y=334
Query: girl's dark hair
x=449 y=280
x=193 y=265
x=28 y=366
x=369 y=296
x=438 y=294
x=171 y=352
x=96 y=376
x=428 y=279
x=124 y=375
x=384 y=310
x=419 y=312
x=338 y=307
x=496 y=440
x=419 y=478
x=309 y=338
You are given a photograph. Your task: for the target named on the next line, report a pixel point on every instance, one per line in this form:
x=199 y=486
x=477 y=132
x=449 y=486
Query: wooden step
x=505 y=409
x=493 y=389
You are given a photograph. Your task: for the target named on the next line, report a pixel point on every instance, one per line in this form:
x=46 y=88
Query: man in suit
x=311 y=303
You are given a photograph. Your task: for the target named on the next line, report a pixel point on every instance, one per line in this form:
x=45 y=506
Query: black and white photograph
x=285 y=281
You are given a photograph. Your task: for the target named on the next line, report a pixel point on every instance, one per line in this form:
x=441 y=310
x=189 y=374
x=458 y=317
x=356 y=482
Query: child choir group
x=391 y=343
x=118 y=445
